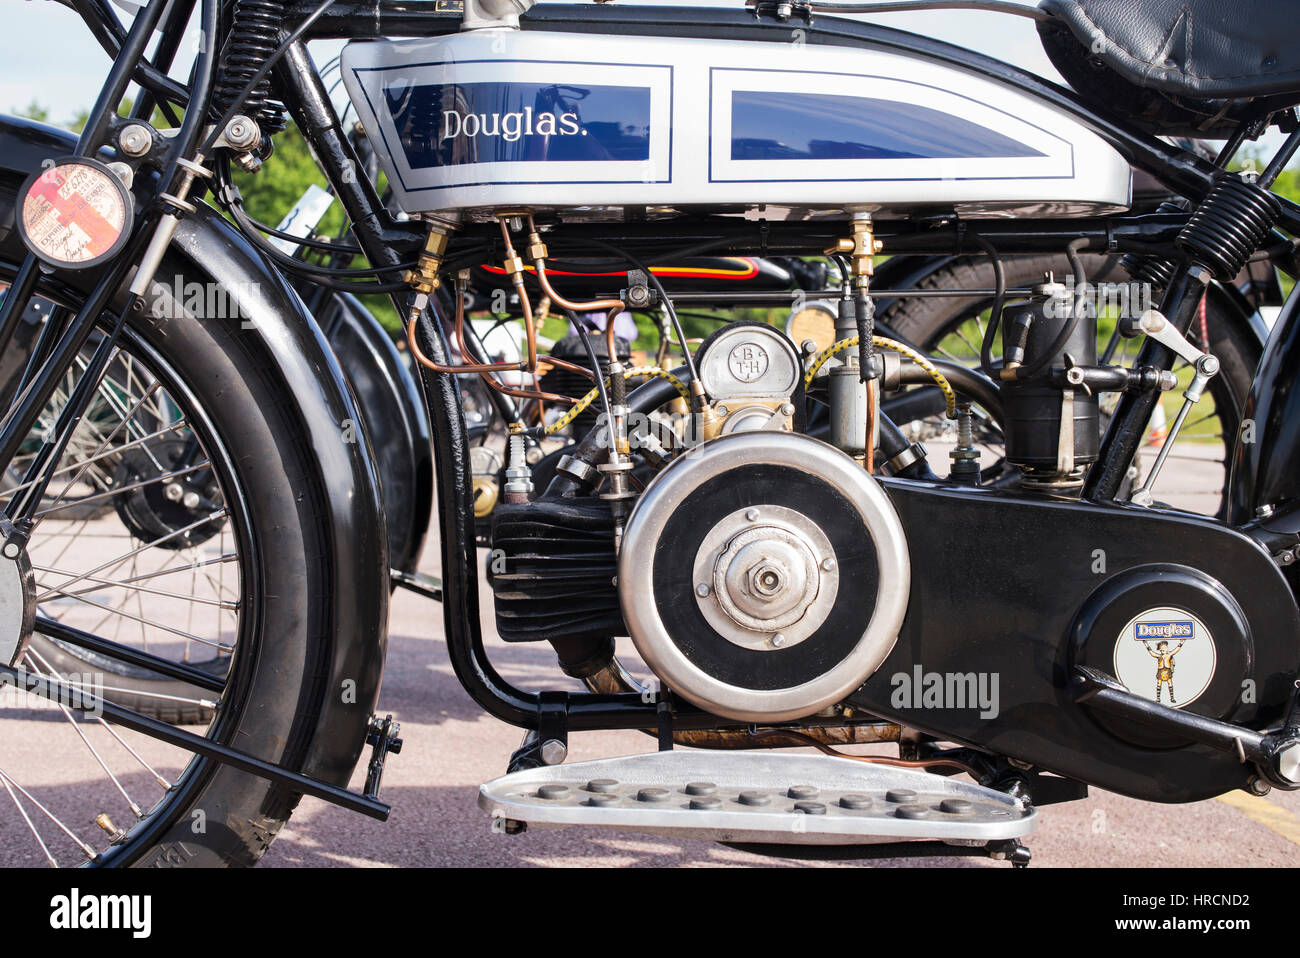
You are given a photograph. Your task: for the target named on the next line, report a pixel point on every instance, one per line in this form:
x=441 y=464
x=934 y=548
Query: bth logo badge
x=1166 y=655
x=748 y=362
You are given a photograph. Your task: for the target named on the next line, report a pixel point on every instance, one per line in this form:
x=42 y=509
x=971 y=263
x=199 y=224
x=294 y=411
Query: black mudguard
x=395 y=419
x=207 y=249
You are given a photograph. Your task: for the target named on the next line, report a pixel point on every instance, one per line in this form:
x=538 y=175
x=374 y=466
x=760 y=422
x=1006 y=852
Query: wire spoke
x=149 y=622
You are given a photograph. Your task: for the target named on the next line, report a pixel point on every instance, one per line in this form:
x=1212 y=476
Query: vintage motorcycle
x=192 y=471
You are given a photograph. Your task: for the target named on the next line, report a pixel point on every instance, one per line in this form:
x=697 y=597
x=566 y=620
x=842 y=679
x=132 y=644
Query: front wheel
x=187 y=524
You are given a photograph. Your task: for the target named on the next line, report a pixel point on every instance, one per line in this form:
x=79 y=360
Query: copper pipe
x=524 y=302
x=454 y=368
x=540 y=271
x=484 y=370
x=572 y=367
x=778 y=738
x=870 y=759
x=540 y=266
x=869 y=460
x=610 y=350
x=614 y=679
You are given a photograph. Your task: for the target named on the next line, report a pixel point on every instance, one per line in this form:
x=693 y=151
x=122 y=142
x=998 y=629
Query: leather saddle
x=1183 y=66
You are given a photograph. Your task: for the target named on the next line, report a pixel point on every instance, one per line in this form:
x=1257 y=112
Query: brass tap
x=861 y=246
x=424 y=278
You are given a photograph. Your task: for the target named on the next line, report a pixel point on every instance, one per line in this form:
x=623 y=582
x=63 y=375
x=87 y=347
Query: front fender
x=315 y=382
x=207 y=249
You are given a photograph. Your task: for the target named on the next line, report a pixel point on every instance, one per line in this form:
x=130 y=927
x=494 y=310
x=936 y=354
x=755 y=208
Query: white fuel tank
x=507 y=119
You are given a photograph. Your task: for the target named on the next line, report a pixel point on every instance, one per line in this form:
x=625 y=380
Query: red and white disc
x=75 y=214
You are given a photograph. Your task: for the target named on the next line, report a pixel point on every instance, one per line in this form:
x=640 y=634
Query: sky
x=49 y=56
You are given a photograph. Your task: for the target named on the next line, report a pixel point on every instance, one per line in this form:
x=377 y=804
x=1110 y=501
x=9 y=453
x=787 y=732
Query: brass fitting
x=860 y=247
x=536 y=248
x=513 y=265
x=424 y=278
x=708 y=422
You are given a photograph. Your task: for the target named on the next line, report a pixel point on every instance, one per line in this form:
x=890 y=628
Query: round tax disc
x=75 y=214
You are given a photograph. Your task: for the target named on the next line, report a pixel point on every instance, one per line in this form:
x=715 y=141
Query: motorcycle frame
x=387 y=242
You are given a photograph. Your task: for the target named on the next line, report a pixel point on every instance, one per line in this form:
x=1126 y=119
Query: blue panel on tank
x=771 y=125
x=456 y=124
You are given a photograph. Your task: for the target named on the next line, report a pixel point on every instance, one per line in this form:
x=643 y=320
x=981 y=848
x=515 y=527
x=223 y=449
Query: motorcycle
x=192 y=466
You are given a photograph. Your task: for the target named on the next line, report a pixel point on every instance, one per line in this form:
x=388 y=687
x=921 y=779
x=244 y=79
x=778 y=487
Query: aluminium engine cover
x=764 y=576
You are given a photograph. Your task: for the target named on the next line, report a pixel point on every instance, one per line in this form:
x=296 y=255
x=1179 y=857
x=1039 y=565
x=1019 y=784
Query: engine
x=762 y=574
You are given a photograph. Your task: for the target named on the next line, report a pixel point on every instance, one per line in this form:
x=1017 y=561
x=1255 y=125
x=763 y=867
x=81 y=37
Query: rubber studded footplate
x=758 y=797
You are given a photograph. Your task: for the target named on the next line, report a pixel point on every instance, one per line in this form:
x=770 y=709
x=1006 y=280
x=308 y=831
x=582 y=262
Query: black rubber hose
x=893 y=443
x=999 y=300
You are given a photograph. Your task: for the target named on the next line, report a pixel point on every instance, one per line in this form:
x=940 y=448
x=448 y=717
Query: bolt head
x=828 y=564
x=778 y=640
x=135 y=140
x=554 y=751
x=702 y=590
x=11 y=550
x=751 y=515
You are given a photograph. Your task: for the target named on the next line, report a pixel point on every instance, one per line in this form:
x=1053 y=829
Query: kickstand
x=382 y=739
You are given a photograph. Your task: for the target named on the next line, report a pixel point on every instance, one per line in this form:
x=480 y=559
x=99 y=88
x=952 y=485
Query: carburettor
x=752 y=375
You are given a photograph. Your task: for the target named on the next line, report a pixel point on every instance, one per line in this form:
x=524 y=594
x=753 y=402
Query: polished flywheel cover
x=764 y=576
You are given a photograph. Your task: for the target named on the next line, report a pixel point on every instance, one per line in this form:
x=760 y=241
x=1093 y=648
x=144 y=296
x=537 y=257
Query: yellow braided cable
x=652 y=371
x=881 y=342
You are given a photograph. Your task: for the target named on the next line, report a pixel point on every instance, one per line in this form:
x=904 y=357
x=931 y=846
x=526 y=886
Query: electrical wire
x=999 y=301
x=595 y=363
x=949 y=395
x=654 y=372
x=663 y=297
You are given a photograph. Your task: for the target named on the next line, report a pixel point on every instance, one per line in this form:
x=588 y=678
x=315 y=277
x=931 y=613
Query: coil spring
x=1154 y=271
x=252 y=39
x=1232 y=221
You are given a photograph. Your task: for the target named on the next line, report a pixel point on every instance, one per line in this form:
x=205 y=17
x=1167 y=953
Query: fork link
x=1206 y=368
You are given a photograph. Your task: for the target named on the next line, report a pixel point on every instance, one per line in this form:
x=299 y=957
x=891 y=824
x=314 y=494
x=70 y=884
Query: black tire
x=925 y=321
x=274 y=695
